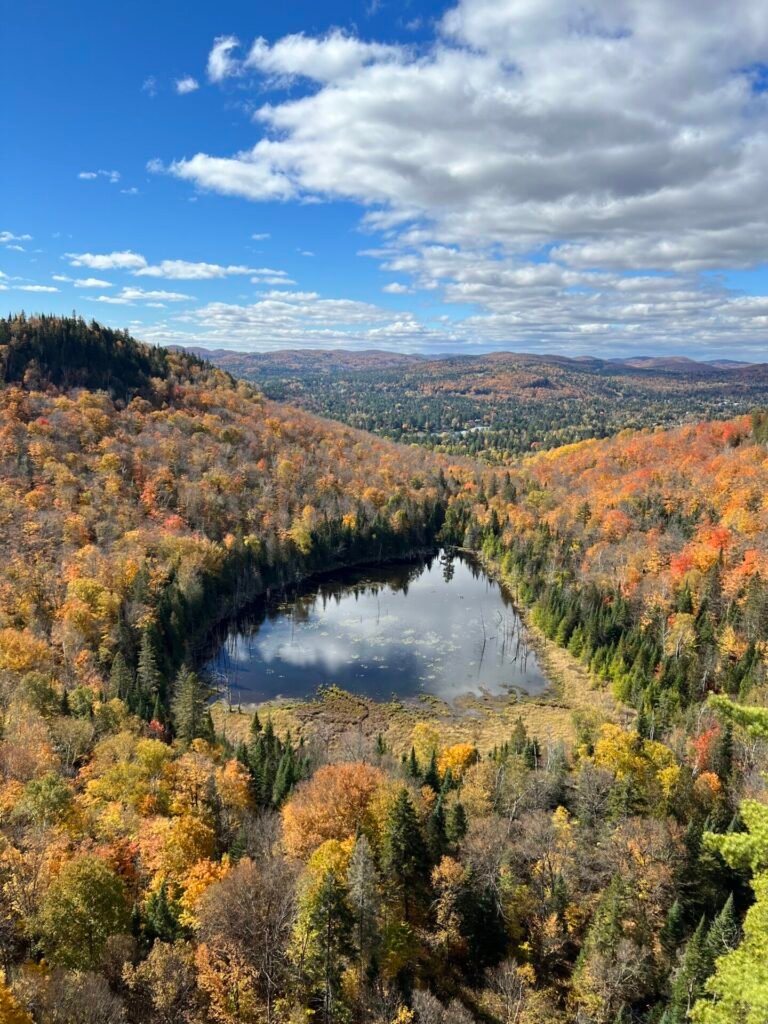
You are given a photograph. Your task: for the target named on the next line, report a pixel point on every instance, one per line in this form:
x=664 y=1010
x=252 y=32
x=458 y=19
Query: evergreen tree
x=456 y=823
x=362 y=879
x=324 y=936
x=435 y=832
x=404 y=855
x=285 y=777
x=688 y=982
x=148 y=674
x=120 y=677
x=671 y=934
x=431 y=776
x=188 y=706
x=723 y=935
x=161 y=917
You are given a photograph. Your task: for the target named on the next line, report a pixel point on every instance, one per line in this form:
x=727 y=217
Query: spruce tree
x=327 y=925
x=161 y=917
x=456 y=823
x=432 y=776
x=120 y=677
x=362 y=879
x=723 y=935
x=188 y=706
x=671 y=934
x=436 y=836
x=148 y=674
x=688 y=982
x=404 y=855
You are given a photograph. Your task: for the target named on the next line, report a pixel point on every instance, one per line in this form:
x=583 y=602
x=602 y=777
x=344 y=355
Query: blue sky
x=532 y=175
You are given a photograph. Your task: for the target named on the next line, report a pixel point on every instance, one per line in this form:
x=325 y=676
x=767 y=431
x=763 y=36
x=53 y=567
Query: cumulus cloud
x=83 y=282
x=183 y=270
x=328 y=59
x=266 y=275
x=290 y=319
x=6 y=237
x=124 y=260
x=555 y=148
x=127 y=296
x=112 y=176
x=221 y=63
x=186 y=85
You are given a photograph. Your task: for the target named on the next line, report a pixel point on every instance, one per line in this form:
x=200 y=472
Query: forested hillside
x=493 y=406
x=152 y=871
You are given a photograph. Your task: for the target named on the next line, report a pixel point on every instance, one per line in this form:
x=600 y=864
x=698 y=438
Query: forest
x=493 y=406
x=151 y=870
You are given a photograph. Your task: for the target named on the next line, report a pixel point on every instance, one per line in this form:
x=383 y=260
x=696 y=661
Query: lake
x=438 y=626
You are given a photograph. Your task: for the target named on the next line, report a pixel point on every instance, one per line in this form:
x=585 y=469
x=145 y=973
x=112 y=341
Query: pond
x=439 y=626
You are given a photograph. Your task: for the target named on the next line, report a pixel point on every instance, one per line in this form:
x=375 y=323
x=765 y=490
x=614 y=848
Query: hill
x=501 y=404
x=67 y=353
x=162 y=864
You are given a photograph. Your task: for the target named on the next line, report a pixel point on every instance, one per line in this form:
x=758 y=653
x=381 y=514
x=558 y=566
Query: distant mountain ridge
x=300 y=358
x=501 y=403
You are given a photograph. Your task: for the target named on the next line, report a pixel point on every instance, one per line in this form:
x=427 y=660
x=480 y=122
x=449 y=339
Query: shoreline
x=340 y=719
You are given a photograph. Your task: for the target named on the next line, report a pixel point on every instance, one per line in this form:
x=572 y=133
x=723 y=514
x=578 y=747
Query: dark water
x=437 y=626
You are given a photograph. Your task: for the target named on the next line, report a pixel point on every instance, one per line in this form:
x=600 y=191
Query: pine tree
x=324 y=936
x=404 y=856
x=413 y=764
x=362 y=879
x=688 y=982
x=285 y=776
x=120 y=677
x=456 y=823
x=148 y=674
x=431 y=776
x=723 y=935
x=671 y=934
x=161 y=917
x=436 y=837
x=722 y=761
x=188 y=706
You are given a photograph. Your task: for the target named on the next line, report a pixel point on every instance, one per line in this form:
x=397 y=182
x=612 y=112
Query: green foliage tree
x=84 y=905
x=189 y=706
x=404 y=854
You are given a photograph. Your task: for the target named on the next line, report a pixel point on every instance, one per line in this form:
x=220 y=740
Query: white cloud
x=396 y=288
x=132 y=191
x=128 y=295
x=266 y=275
x=83 y=282
x=183 y=270
x=35 y=288
x=149 y=86
x=531 y=158
x=186 y=85
x=125 y=260
x=261 y=236
x=221 y=63
x=91 y=282
x=6 y=237
x=328 y=59
x=240 y=175
x=112 y=176
x=288 y=319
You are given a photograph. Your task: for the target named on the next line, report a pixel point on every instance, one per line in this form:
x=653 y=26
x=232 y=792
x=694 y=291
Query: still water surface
x=437 y=626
